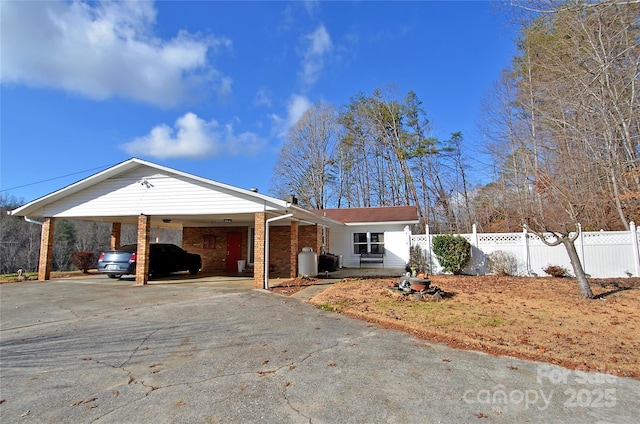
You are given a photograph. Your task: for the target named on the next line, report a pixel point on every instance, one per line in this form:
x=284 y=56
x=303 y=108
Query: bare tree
x=573 y=124
x=19 y=240
x=305 y=166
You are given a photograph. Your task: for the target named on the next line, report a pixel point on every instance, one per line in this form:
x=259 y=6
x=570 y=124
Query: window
x=208 y=241
x=368 y=243
x=360 y=244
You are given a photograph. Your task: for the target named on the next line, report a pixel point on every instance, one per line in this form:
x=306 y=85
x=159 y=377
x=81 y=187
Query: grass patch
x=30 y=276
x=327 y=307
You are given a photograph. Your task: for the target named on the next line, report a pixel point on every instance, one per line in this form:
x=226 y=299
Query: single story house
x=222 y=223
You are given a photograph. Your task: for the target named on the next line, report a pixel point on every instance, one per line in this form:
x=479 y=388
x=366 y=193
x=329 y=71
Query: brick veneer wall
x=280 y=250
x=281 y=255
x=212 y=259
x=310 y=236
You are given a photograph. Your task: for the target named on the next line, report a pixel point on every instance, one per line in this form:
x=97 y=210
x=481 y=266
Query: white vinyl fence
x=604 y=254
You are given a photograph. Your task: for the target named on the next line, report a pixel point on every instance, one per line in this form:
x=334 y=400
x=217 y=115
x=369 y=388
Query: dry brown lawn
x=542 y=319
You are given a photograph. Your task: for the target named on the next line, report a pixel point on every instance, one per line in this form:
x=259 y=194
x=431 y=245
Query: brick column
x=46 y=249
x=327 y=239
x=293 y=271
x=116 y=233
x=318 y=245
x=142 y=257
x=258 y=250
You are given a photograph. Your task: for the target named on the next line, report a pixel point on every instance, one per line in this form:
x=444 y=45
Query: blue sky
x=211 y=87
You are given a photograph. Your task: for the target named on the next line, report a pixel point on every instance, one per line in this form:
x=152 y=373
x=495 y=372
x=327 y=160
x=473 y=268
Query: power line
x=57 y=178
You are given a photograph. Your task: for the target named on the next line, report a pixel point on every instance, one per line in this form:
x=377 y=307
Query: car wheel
x=113 y=276
x=193 y=271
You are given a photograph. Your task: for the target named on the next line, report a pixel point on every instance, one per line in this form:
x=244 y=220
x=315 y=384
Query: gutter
x=32 y=221
x=26 y=218
x=266 y=246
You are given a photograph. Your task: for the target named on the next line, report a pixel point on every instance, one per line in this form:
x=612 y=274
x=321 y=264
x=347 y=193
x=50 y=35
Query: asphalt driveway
x=213 y=350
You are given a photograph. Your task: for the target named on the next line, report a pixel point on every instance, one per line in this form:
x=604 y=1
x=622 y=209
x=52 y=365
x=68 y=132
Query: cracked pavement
x=213 y=350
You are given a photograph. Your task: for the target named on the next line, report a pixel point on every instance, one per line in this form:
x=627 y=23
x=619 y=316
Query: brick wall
x=280 y=250
x=213 y=259
x=281 y=254
x=311 y=236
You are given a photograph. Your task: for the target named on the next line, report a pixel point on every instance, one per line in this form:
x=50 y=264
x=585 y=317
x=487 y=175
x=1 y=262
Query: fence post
x=525 y=244
x=429 y=249
x=475 y=234
x=634 y=246
x=475 y=261
x=581 y=245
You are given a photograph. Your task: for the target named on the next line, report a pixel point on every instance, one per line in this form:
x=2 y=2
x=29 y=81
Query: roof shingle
x=377 y=214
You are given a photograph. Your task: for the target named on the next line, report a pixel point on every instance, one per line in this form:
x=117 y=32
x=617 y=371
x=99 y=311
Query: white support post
x=525 y=245
x=581 y=248
x=634 y=246
x=475 y=234
x=476 y=261
x=431 y=270
x=407 y=235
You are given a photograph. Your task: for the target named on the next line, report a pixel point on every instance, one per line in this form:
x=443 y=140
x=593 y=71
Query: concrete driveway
x=213 y=350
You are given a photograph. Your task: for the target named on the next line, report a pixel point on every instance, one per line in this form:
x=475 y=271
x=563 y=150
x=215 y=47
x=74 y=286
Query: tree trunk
x=583 y=283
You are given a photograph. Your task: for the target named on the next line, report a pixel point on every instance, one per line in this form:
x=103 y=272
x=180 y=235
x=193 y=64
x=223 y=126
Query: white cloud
x=193 y=137
x=311 y=6
x=262 y=98
x=296 y=107
x=104 y=50
x=318 y=45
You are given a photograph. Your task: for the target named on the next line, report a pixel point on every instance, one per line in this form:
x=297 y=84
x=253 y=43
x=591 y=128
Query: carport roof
x=85 y=199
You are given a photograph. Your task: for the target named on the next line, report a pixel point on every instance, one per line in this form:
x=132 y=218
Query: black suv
x=163 y=259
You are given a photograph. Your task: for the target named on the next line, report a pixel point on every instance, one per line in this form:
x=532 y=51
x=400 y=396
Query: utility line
x=57 y=178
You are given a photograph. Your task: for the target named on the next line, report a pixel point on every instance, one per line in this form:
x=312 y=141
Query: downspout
x=32 y=221
x=266 y=246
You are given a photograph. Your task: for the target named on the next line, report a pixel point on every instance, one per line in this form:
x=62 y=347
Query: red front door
x=234 y=251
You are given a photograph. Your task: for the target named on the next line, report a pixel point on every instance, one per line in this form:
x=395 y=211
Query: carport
x=221 y=222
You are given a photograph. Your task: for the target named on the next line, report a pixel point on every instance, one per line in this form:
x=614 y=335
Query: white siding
x=167 y=194
x=396 y=243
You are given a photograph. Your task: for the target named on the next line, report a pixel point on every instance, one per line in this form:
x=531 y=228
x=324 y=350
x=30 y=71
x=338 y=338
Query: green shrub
x=82 y=260
x=453 y=252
